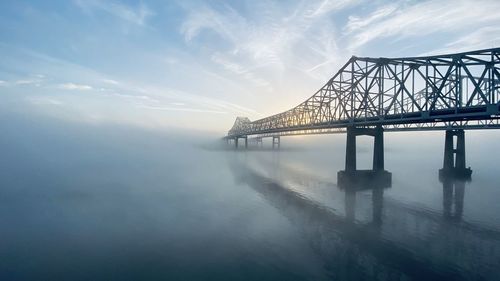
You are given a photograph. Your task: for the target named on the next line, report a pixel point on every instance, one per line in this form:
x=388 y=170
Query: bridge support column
x=350 y=153
x=454 y=156
x=246 y=142
x=378 y=149
x=276 y=142
x=351 y=175
x=236 y=143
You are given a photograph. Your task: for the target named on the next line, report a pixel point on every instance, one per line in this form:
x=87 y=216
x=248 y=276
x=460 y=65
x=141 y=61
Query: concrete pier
x=454 y=156
x=351 y=175
x=276 y=142
x=236 y=140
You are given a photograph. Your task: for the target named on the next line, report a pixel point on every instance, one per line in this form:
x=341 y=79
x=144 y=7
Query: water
x=95 y=202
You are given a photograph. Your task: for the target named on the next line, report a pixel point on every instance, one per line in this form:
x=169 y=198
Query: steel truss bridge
x=416 y=93
x=368 y=96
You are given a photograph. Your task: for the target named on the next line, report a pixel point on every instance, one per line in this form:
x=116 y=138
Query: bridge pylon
x=454 y=156
x=351 y=175
x=236 y=139
x=276 y=142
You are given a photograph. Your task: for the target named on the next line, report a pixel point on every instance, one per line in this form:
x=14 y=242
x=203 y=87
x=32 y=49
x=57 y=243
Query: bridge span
x=368 y=96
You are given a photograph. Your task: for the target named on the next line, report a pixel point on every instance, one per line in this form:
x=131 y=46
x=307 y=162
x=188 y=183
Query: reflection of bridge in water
x=368 y=96
x=399 y=243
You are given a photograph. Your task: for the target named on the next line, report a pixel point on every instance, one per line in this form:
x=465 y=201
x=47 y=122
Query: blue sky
x=199 y=64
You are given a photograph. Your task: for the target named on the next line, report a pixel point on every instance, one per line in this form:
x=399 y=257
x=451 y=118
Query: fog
x=98 y=201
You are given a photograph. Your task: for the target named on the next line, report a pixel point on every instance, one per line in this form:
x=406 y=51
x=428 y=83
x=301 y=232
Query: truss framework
x=415 y=93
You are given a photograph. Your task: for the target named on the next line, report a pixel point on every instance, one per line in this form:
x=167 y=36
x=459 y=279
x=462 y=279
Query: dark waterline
x=96 y=203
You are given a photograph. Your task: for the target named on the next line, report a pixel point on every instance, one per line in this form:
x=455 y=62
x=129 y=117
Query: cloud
x=358 y=23
x=36 y=82
x=187 y=109
x=73 y=86
x=239 y=70
x=110 y=81
x=137 y=15
x=141 y=98
x=479 y=39
x=421 y=19
x=271 y=43
x=25 y=82
x=328 y=6
x=43 y=100
x=180 y=98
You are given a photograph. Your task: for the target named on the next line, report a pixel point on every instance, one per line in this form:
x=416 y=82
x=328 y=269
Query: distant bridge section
x=459 y=91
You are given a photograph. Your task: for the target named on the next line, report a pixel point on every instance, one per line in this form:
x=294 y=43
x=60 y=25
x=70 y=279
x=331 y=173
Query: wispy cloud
x=357 y=23
x=421 y=19
x=180 y=99
x=268 y=41
x=137 y=15
x=479 y=39
x=141 y=98
x=238 y=69
x=34 y=79
x=26 y=81
x=44 y=100
x=73 y=86
x=251 y=58
x=187 y=109
x=110 y=81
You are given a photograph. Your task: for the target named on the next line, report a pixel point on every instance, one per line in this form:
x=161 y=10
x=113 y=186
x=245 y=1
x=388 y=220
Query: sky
x=197 y=65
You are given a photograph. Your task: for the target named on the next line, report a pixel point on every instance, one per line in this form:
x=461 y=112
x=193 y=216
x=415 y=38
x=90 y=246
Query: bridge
x=369 y=96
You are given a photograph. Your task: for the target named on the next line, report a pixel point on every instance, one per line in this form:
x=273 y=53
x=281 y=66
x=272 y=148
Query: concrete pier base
x=236 y=141
x=360 y=179
x=364 y=180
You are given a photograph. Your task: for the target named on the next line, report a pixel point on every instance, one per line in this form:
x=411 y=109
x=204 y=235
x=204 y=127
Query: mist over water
x=97 y=202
